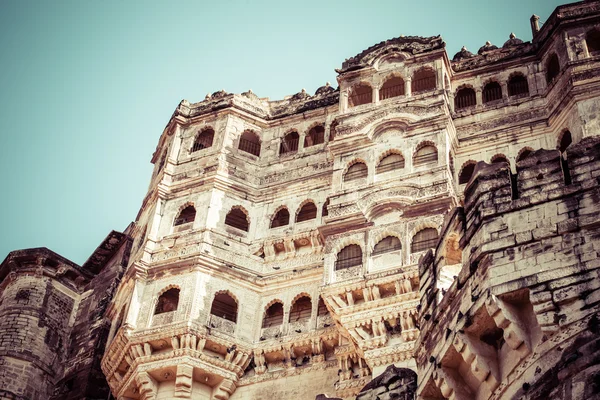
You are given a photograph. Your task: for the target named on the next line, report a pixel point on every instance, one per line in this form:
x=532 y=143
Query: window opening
x=224 y=306
x=203 y=140
x=390 y=243
x=307 y=212
x=349 y=256
x=237 y=218
x=391 y=162
x=424 y=239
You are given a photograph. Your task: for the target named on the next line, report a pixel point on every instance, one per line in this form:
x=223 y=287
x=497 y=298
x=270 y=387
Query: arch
x=250 y=143
x=360 y=94
x=524 y=153
x=564 y=140
x=392 y=87
x=466 y=172
x=224 y=305
x=423 y=80
x=425 y=154
x=307 y=211
x=203 y=140
x=424 y=239
x=356 y=170
x=465 y=98
x=168 y=300
x=592 y=41
x=552 y=68
x=390 y=161
x=499 y=159
x=518 y=85
x=325 y=211
x=301 y=310
x=273 y=315
x=281 y=217
x=237 y=217
x=186 y=215
x=492 y=91
x=315 y=135
x=349 y=256
x=386 y=245
x=289 y=143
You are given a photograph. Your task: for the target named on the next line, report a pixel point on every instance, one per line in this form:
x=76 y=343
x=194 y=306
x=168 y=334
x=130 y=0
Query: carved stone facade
x=353 y=243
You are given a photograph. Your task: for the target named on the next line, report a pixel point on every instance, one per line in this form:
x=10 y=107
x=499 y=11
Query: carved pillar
x=343 y=101
x=375 y=99
x=408 y=87
x=479 y=98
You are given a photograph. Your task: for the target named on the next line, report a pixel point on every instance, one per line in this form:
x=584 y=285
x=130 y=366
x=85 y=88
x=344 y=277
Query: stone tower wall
x=520 y=319
x=35 y=317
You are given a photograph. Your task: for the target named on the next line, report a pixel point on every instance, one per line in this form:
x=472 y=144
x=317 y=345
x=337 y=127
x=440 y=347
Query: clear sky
x=86 y=87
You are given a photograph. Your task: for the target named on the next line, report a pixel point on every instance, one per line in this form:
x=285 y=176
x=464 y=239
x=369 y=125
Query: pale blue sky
x=86 y=87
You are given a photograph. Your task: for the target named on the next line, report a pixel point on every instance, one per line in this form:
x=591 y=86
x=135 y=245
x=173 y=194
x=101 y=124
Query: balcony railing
x=360 y=99
x=389 y=92
x=271 y=332
x=222 y=324
x=348 y=273
x=163 y=318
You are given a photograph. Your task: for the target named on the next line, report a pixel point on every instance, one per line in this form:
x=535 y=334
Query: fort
x=430 y=229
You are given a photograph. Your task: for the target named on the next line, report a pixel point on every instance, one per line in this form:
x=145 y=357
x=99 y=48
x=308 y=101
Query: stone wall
x=520 y=319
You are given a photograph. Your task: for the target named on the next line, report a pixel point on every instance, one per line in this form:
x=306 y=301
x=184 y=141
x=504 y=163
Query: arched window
x=499 y=159
x=282 y=218
x=167 y=302
x=565 y=141
x=349 y=256
x=315 y=136
x=186 y=216
x=592 y=40
x=250 y=143
x=238 y=219
x=517 y=85
x=423 y=81
x=301 y=310
x=203 y=140
x=393 y=87
x=289 y=144
x=273 y=315
x=224 y=306
x=492 y=92
x=308 y=211
x=425 y=155
x=524 y=153
x=360 y=94
x=465 y=97
x=391 y=162
x=385 y=245
x=356 y=171
x=466 y=173
x=424 y=239
x=552 y=68
x=325 y=210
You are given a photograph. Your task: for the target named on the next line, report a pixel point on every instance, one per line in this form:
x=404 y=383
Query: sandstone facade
x=402 y=236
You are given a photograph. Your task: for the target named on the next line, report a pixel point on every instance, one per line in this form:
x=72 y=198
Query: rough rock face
x=393 y=383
